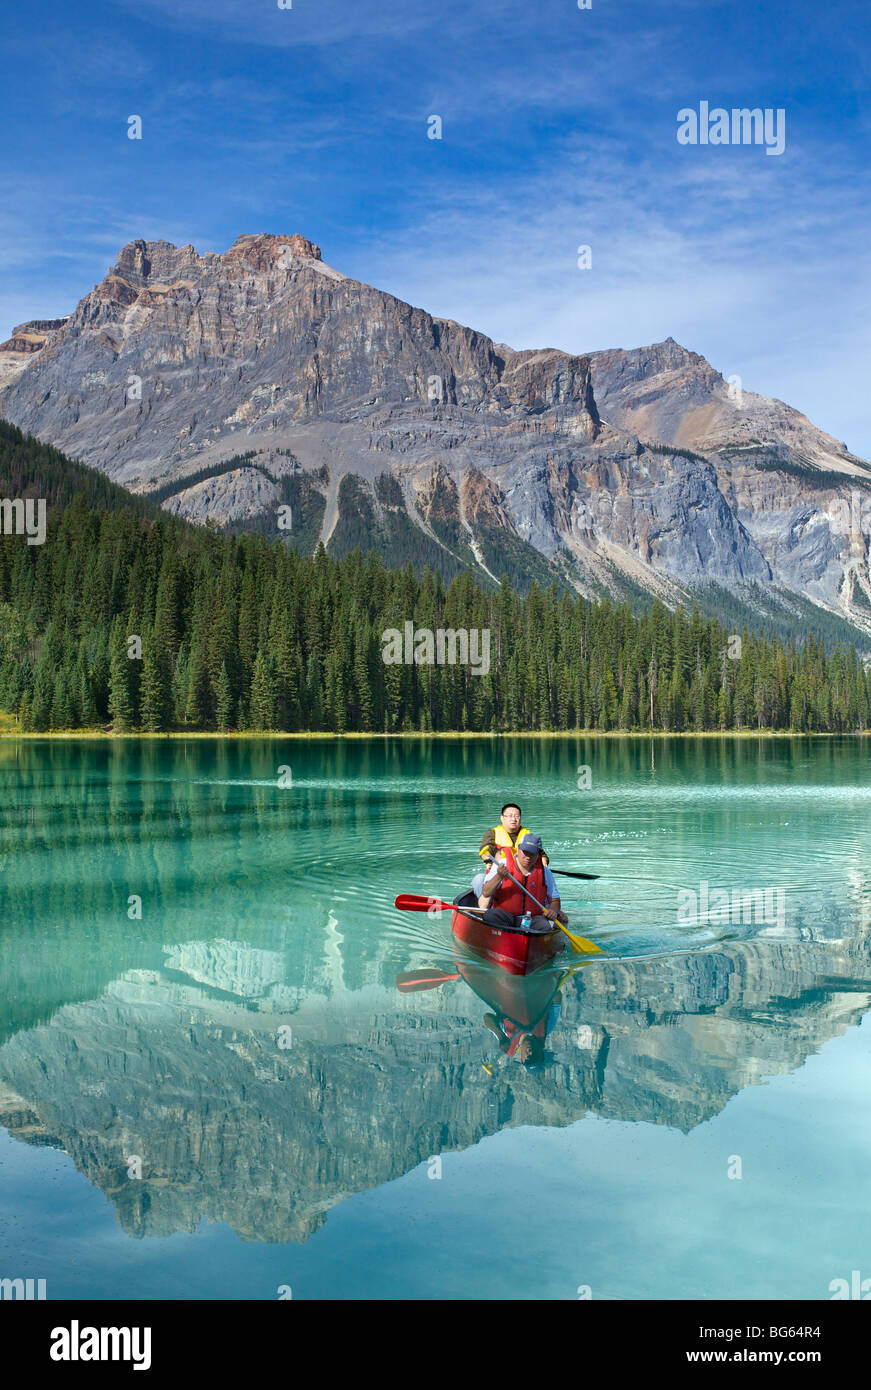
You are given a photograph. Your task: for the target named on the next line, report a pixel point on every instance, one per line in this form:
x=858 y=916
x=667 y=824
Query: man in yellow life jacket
x=506 y=835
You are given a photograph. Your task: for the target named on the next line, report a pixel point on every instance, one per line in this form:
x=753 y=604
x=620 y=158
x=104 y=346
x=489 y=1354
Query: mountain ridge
x=617 y=470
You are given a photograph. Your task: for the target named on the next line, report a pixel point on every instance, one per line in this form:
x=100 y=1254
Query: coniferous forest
x=127 y=618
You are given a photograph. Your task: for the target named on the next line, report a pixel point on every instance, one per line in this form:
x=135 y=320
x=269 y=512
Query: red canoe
x=517 y=952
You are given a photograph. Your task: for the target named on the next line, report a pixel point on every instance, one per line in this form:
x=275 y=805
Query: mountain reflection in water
x=266 y=910
x=183 y=1066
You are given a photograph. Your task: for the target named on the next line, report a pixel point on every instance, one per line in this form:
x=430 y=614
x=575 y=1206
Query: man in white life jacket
x=506 y=903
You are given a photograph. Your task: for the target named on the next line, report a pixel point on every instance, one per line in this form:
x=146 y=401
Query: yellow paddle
x=578 y=943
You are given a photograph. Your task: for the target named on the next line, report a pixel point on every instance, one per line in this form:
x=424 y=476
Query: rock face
x=668 y=395
x=26 y=339
x=615 y=472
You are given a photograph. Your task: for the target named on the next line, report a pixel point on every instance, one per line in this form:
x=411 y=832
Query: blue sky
x=559 y=129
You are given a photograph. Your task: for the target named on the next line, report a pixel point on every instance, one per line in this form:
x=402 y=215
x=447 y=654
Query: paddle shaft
x=579 y=943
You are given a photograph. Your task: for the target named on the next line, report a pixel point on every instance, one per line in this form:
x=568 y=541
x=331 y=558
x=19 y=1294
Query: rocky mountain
x=668 y=395
x=232 y=386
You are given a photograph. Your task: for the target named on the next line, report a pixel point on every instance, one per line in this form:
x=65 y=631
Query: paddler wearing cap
x=506 y=835
x=505 y=903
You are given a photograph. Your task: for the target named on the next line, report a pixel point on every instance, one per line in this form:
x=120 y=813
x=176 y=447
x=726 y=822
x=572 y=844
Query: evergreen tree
x=198 y=695
x=262 y=694
x=62 y=712
x=43 y=692
x=120 y=680
x=224 y=703
x=154 y=690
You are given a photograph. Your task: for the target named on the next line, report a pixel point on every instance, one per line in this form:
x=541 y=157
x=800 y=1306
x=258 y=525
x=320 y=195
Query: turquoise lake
x=211 y=1087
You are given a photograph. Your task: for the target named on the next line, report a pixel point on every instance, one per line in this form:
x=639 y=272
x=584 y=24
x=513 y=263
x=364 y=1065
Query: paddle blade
x=572 y=873
x=581 y=945
x=411 y=980
x=413 y=902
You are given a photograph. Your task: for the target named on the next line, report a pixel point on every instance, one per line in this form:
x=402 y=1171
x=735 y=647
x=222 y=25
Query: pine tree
x=86 y=702
x=61 y=705
x=179 y=685
x=154 y=690
x=196 y=710
x=363 y=681
x=120 y=694
x=248 y=624
x=24 y=716
x=167 y=616
x=224 y=701
x=262 y=695
x=314 y=694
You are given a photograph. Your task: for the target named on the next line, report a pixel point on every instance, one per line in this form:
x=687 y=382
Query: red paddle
x=412 y=902
x=411 y=980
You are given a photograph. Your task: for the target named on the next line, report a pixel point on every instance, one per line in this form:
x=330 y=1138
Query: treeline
x=29 y=468
x=213 y=470
x=142 y=622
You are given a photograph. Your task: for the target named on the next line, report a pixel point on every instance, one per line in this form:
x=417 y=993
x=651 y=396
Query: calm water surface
x=696 y=1121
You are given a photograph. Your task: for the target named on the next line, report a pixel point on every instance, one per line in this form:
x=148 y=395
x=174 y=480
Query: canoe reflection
x=522 y=1008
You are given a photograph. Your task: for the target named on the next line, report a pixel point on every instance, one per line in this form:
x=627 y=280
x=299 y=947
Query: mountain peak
x=142 y=260
x=672 y=353
x=263 y=249
x=139 y=260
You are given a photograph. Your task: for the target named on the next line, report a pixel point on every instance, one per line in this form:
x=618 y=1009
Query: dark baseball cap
x=530 y=844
